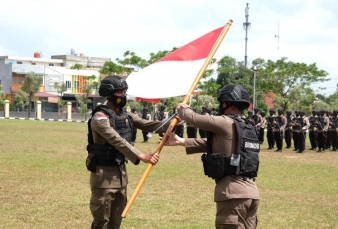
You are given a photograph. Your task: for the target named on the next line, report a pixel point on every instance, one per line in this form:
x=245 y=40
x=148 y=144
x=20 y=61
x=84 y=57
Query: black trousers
x=278 y=139
x=261 y=135
x=313 y=139
x=321 y=140
x=295 y=140
x=145 y=137
x=288 y=137
x=192 y=132
x=301 y=140
x=271 y=139
x=202 y=133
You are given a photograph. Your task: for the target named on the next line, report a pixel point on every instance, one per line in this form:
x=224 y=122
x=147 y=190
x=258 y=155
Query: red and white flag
x=173 y=74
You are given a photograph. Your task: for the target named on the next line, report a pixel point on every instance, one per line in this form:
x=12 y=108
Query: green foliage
x=21 y=99
x=60 y=89
x=2 y=97
x=76 y=66
x=31 y=85
x=110 y=68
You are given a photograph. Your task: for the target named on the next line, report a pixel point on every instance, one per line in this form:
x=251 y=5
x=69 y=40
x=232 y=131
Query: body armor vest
x=144 y=115
x=244 y=162
x=332 y=126
x=160 y=115
x=321 y=122
x=255 y=118
x=270 y=122
x=288 y=122
x=108 y=155
x=312 y=121
x=279 y=121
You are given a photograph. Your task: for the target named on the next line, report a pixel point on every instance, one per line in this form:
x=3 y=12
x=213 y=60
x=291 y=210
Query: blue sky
x=104 y=28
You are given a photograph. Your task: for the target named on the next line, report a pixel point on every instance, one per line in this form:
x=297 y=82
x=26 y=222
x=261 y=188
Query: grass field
x=44 y=184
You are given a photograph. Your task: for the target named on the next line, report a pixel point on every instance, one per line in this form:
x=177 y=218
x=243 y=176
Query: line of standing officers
x=322 y=127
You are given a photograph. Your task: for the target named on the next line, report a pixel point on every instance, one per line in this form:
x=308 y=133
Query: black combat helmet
x=112 y=84
x=234 y=93
x=272 y=110
x=280 y=111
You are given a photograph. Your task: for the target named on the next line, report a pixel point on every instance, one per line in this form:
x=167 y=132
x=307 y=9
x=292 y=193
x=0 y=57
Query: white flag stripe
x=164 y=79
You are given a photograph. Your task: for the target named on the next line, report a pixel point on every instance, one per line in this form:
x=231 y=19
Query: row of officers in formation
x=322 y=127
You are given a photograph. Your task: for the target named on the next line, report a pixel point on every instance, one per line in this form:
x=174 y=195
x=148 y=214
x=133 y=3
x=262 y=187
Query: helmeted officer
x=260 y=126
x=146 y=116
x=109 y=138
x=201 y=132
x=279 y=125
x=304 y=126
x=269 y=133
x=288 y=129
x=313 y=130
x=232 y=192
x=322 y=125
x=191 y=129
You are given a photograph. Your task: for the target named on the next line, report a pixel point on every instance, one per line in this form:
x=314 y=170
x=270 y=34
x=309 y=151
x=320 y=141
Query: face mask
x=221 y=110
x=119 y=101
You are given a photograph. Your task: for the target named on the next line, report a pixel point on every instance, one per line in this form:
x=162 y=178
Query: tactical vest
x=270 y=122
x=160 y=115
x=108 y=155
x=244 y=162
x=288 y=122
x=321 y=123
x=144 y=115
x=312 y=121
x=255 y=118
x=279 y=121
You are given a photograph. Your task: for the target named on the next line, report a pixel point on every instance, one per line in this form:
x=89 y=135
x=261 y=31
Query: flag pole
x=174 y=121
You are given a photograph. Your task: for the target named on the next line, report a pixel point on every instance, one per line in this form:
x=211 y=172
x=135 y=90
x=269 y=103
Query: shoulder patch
x=101 y=116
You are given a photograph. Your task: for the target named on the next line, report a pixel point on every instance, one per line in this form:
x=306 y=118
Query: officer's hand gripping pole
x=174 y=120
x=149 y=135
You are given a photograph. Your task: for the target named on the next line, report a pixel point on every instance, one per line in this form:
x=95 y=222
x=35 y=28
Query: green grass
x=44 y=184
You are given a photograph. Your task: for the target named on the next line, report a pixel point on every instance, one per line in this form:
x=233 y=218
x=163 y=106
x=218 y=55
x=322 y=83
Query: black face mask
x=119 y=101
x=221 y=110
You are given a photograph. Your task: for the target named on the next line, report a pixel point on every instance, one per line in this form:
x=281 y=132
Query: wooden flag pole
x=174 y=121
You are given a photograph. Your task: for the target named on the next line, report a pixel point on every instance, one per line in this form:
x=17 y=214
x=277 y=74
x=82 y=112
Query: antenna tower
x=246 y=26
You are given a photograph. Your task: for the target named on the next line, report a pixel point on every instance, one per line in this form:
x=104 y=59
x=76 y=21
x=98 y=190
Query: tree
x=77 y=66
x=2 y=97
x=21 y=99
x=281 y=76
x=60 y=89
x=31 y=85
x=110 y=67
x=83 y=99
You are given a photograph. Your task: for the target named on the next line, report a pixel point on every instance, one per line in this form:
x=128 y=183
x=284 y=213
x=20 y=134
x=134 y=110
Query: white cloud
x=308 y=28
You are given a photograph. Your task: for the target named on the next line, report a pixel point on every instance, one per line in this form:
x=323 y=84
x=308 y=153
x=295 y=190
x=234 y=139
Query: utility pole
x=246 y=26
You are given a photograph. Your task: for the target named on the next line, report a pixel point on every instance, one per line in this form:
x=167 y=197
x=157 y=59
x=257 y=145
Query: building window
x=33 y=63
x=19 y=62
x=51 y=64
x=68 y=84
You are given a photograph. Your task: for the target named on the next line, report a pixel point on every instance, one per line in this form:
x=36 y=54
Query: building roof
x=18 y=58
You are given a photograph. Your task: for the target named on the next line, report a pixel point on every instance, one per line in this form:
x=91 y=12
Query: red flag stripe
x=195 y=50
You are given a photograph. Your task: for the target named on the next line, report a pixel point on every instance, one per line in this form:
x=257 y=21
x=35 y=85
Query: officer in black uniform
x=278 y=129
x=313 y=130
x=201 y=132
x=334 y=134
x=288 y=129
x=295 y=129
x=249 y=119
x=269 y=134
x=133 y=110
x=329 y=131
x=179 y=128
x=161 y=115
x=146 y=116
x=191 y=129
x=322 y=124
